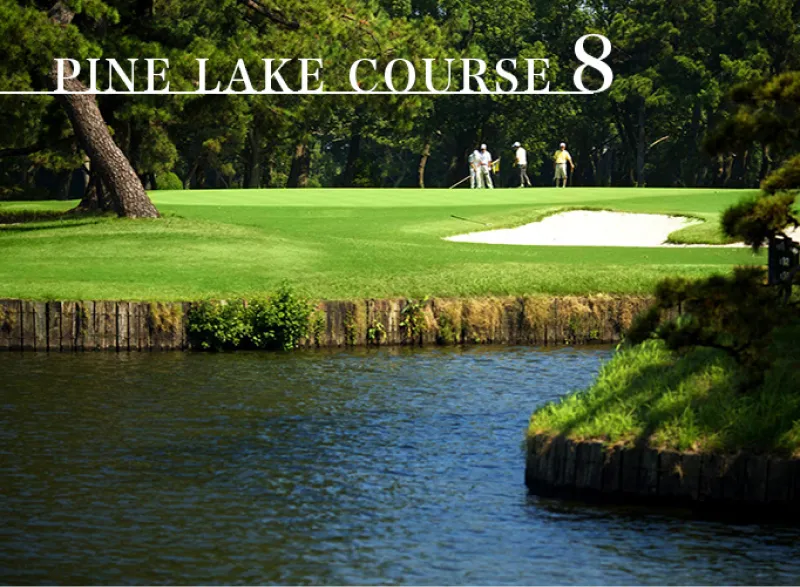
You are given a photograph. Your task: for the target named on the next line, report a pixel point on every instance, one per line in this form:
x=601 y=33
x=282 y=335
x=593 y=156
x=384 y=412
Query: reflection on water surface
x=389 y=466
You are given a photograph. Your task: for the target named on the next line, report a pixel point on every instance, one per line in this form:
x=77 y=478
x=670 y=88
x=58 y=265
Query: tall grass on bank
x=687 y=402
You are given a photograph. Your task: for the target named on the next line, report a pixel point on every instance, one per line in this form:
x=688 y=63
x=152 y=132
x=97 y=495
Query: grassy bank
x=688 y=402
x=341 y=244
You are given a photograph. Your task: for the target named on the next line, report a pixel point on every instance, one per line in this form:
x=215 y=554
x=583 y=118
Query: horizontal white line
x=299 y=93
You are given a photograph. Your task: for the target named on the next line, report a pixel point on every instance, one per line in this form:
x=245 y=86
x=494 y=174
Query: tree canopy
x=676 y=66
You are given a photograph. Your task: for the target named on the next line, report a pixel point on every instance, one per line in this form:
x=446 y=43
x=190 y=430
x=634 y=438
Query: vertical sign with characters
x=784 y=258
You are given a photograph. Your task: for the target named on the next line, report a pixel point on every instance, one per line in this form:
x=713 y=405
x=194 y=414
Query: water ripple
x=370 y=467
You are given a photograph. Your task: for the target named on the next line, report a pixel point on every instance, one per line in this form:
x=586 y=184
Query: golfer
x=486 y=165
x=475 y=181
x=561 y=158
x=521 y=159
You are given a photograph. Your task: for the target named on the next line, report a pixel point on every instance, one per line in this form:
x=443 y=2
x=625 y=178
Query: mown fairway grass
x=348 y=243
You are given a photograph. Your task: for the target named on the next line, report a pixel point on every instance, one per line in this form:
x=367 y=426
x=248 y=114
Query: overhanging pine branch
x=22 y=151
x=274 y=16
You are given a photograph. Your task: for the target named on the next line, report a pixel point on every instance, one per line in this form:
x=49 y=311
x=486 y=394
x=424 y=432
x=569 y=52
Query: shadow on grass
x=695 y=402
x=26 y=216
x=638 y=394
x=30 y=220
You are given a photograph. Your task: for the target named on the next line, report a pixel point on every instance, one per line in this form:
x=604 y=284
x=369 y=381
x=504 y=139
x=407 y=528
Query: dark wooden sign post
x=783 y=262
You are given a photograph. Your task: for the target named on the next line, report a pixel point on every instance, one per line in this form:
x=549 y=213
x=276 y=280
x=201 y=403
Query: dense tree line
x=676 y=65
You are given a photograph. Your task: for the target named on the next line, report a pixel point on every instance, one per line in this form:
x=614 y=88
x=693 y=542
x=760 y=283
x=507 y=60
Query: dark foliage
x=737 y=314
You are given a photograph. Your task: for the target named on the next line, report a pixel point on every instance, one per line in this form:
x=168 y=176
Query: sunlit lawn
x=346 y=244
x=687 y=402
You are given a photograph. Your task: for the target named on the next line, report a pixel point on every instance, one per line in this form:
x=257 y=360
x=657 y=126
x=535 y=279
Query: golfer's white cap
x=563 y=145
x=483 y=146
x=516 y=144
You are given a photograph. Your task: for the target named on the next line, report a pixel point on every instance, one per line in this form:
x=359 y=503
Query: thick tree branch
x=61 y=14
x=22 y=151
x=40 y=145
x=362 y=26
x=274 y=16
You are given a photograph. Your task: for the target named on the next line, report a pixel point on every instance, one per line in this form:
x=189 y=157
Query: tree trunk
x=200 y=177
x=94 y=198
x=641 y=147
x=594 y=159
x=426 y=152
x=86 y=169
x=737 y=177
x=189 y=183
x=728 y=169
x=253 y=176
x=766 y=163
x=126 y=191
x=64 y=183
x=301 y=162
x=584 y=173
x=400 y=178
x=89 y=198
x=694 y=163
x=269 y=172
x=348 y=174
x=90 y=201
x=626 y=128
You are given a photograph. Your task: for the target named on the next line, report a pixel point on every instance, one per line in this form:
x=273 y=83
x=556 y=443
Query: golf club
x=468 y=220
x=459 y=183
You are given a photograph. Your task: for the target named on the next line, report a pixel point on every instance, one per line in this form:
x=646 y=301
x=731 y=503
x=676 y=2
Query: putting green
x=349 y=243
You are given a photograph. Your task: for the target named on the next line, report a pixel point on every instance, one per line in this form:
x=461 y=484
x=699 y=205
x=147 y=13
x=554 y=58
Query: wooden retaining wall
x=124 y=326
x=90 y=325
x=512 y=320
x=556 y=466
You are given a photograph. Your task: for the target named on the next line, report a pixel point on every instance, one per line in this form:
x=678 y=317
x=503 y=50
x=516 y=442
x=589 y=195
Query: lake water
x=387 y=466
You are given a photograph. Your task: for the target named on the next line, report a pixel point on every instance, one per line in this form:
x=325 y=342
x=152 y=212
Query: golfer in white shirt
x=521 y=158
x=486 y=165
x=475 y=170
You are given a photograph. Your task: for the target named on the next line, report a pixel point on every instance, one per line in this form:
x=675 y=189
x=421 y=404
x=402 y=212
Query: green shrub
x=756 y=219
x=351 y=328
x=376 y=333
x=218 y=325
x=279 y=322
x=413 y=321
x=447 y=332
x=316 y=325
x=275 y=323
x=169 y=181
x=786 y=177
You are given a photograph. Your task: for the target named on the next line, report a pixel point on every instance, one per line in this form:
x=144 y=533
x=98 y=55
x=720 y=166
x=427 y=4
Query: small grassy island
x=702 y=401
x=701 y=404
x=693 y=427
x=688 y=402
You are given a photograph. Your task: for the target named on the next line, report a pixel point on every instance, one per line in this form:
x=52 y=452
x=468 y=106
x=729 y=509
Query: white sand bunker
x=586 y=228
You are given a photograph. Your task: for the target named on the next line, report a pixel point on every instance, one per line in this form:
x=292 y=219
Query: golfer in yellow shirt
x=560 y=159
